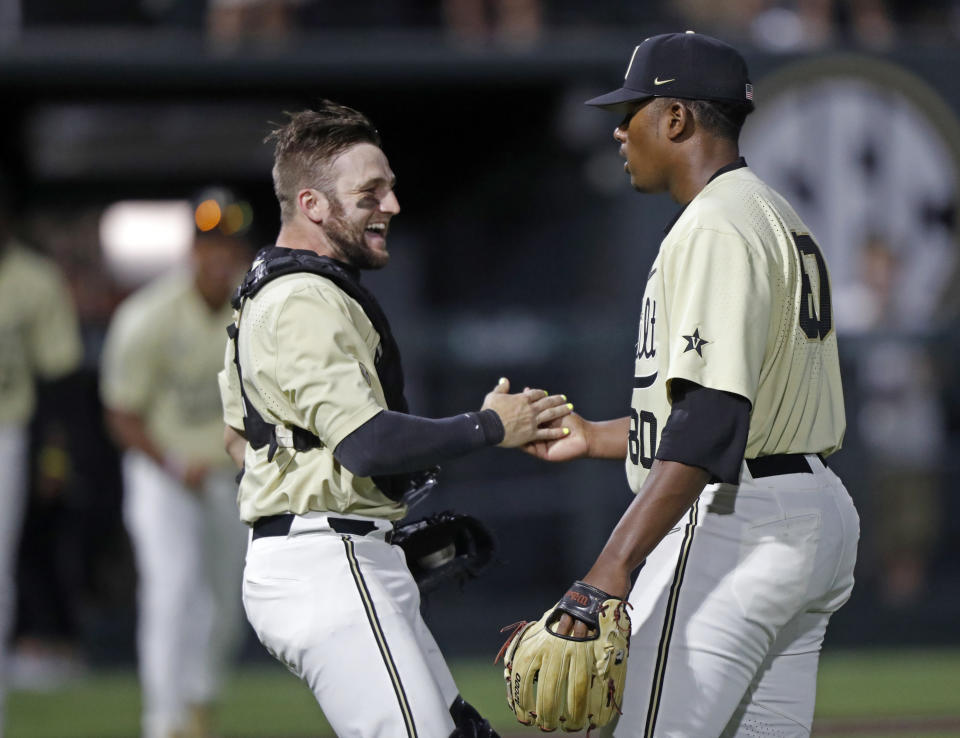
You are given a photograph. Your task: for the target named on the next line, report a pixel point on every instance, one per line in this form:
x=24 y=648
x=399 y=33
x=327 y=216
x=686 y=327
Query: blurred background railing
x=521 y=251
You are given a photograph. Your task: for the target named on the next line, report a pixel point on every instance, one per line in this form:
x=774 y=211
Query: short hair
x=720 y=119
x=308 y=143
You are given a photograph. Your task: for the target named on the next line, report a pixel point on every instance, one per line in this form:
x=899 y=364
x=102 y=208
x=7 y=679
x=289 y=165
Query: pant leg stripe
x=668 y=623
x=378 y=634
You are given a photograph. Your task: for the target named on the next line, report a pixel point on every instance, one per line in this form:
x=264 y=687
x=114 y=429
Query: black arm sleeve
x=394 y=443
x=706 y=428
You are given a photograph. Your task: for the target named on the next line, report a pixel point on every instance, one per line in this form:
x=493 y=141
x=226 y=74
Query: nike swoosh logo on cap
x=659 y=82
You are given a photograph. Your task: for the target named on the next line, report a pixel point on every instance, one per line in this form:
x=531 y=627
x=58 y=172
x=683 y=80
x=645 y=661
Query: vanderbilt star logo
x=695 y=343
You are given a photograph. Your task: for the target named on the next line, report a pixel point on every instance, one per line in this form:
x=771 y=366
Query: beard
x=350 y=240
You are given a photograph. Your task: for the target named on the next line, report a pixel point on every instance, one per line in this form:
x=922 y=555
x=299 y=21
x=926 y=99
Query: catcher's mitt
x=556 y=681
x=445 y=547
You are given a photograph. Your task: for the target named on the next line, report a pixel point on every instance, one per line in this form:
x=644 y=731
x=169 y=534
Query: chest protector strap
x=273 y=262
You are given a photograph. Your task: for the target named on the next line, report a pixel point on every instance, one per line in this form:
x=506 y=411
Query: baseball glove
x=446 y=547
x=556 y=681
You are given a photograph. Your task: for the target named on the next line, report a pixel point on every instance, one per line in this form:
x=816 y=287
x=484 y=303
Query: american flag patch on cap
x=749 y=92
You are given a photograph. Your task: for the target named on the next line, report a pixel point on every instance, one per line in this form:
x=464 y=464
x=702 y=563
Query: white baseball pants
x=342 y=612
x=730 y=610
x=189 y=551
x=13 y=493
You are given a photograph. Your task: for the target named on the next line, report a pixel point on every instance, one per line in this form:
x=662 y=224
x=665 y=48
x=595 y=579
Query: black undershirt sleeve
x=706 y=428
x=394 y=443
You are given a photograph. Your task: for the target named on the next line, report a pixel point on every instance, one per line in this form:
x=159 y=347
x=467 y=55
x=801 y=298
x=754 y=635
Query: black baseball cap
x=687 y=65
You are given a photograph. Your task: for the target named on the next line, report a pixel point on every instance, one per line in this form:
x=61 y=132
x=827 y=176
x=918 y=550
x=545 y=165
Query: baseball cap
x=685 y=65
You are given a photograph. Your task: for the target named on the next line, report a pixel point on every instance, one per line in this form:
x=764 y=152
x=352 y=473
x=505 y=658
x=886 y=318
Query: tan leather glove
x=565 y=682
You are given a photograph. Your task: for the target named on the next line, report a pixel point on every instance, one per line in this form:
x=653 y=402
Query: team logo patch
x=695 y=343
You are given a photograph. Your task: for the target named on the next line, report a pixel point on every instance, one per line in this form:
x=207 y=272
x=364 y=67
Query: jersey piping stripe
x=380 y=638
x=669 y=621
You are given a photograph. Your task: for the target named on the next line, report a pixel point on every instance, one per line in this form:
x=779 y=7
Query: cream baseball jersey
x=38 y=330
x=160 y=361
x=738 y=300
x=307 y=354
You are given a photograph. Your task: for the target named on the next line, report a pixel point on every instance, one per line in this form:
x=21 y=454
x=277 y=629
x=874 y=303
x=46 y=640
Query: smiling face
x=362 y=202
x=642 y=140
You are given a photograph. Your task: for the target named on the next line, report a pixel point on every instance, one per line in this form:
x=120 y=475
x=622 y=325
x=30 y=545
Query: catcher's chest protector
x=273 y=262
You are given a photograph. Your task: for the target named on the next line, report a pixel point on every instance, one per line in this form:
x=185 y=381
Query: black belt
x=279 y=525
x=772 y=466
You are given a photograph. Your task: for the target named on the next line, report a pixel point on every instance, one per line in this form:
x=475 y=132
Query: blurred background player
x=159 y=386
x=39 y=340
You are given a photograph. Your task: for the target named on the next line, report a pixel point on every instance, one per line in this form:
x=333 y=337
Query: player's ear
x=314 y=205
x=678 y=119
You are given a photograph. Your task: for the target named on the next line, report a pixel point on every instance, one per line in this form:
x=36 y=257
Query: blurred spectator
x=39 y=340
x=159 y=385
x=774 y=24
x=232 y=22
x=809 y=24
x=513 y=22
x=793 y=24
x=901 y=422
x=73 y=559
x=727 y=20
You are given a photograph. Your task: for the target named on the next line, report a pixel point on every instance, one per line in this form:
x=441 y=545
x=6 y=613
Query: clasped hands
x=531 y=416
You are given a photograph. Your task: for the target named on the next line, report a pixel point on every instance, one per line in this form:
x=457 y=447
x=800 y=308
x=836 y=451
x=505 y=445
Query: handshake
x=530 y=417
